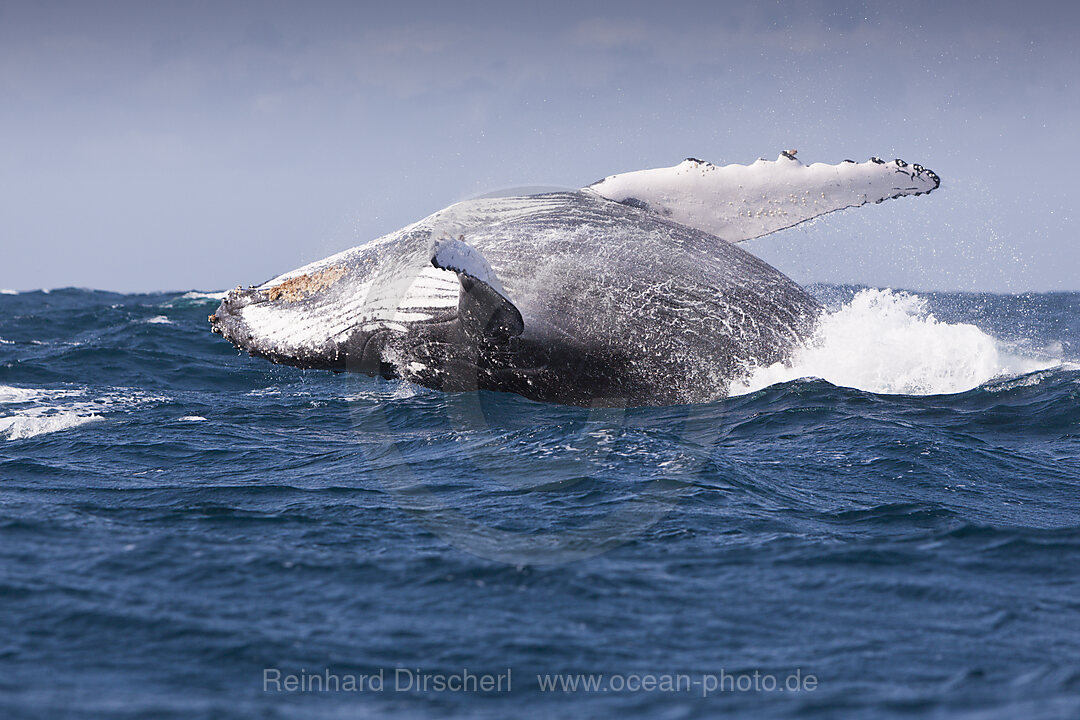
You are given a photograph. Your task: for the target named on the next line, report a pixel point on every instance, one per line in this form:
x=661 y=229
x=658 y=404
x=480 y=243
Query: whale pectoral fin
x=742 y=202
x=485 y=311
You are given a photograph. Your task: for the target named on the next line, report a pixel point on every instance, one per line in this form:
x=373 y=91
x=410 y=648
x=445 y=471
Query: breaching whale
x=630 y=291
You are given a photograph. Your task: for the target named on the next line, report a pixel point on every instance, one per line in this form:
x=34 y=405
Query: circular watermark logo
x=505 y=478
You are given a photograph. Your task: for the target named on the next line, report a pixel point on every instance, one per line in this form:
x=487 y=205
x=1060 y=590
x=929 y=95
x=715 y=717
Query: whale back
x=677 y=311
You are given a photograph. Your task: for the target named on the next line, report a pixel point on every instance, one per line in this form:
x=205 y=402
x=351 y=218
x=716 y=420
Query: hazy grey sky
x=202 y=145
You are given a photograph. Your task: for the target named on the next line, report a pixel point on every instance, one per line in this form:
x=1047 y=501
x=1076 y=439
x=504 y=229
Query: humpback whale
x=630 y=291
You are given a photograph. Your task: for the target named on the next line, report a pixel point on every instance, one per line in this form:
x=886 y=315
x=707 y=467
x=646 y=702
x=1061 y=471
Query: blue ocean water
x=179 y=523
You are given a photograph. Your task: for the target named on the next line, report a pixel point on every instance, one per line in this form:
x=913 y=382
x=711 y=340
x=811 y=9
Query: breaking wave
x=27 y=412
x=888 y=342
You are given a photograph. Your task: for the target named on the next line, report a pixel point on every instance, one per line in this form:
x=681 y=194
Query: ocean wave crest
x=884 y=341
x=27 y=412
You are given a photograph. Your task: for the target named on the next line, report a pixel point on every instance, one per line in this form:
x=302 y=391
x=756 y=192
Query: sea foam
x=21 y=427
x=36 y=411
x=26 y=412
x=885 y=341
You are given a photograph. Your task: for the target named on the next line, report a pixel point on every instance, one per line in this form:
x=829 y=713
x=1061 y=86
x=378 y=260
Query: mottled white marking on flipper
x=464 y=259
x=484 y=308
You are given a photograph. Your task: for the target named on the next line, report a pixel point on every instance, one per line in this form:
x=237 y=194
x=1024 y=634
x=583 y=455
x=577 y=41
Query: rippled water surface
x=176 y=519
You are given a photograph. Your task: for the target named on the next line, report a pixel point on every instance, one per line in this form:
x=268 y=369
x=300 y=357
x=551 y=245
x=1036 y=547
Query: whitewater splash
x=194 y=297
x=27 y=412
x=888 y=342
x=199 y=295
x=35 y=411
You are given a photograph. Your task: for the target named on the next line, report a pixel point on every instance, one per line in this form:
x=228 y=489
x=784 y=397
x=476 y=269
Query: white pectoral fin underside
x=741 y=202
x=484 y=307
